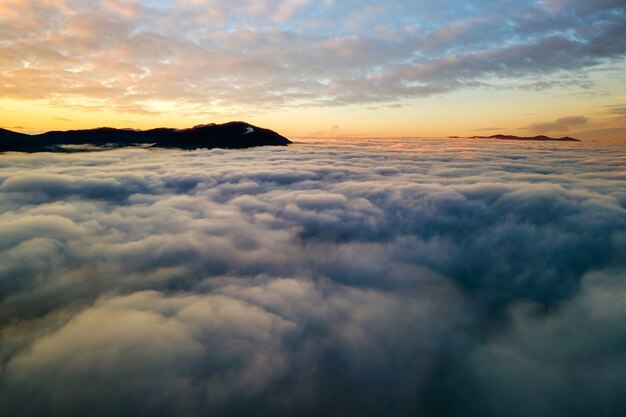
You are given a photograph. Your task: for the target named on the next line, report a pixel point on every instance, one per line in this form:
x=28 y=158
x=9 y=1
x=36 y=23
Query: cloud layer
x=203 y=55
x=361 y=278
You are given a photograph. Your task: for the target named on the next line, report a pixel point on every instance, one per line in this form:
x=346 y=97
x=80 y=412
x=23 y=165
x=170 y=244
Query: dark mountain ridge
x=537 y=138
x=232 y=135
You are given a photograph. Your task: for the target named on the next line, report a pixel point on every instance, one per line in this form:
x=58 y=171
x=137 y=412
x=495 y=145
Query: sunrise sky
x=371 y=266
x=317 y=68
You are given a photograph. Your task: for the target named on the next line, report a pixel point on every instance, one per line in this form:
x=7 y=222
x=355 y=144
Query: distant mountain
x=233 y=135
x=537 y=138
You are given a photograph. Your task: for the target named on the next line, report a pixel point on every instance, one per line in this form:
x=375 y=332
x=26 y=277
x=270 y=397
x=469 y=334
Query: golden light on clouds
x=356 y=246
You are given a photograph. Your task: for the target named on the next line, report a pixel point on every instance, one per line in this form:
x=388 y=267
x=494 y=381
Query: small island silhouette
x=536 y=138
x=232 y=135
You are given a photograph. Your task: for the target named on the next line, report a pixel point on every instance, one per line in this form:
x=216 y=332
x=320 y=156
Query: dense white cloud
x=370 y=278
x=207 y=55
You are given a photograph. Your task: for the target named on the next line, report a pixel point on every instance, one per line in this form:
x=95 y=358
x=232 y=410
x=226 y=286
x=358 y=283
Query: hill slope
x=232 y=135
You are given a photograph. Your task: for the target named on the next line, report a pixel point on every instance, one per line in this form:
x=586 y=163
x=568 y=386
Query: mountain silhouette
x=537 y=138
x=232 y=135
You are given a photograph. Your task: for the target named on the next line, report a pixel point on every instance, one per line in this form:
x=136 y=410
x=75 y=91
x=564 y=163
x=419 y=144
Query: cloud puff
x=374 y=278
x=134 y=56
x=563 y=124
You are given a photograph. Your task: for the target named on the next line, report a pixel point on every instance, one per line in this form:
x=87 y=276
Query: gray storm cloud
x=359 y=278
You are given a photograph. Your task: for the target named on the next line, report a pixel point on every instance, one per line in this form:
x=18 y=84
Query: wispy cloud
x=616 y=109
x=563 y=124
x=489 y=129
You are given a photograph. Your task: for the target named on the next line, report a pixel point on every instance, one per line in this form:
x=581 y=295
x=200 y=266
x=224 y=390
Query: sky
x=373 y=267
x=429 y=277
x=325 y=68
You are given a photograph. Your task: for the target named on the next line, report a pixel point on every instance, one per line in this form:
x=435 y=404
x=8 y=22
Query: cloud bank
x=361 y=278
x=563 y=124
x=206 y=55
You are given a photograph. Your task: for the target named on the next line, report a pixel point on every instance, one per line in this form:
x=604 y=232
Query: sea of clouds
x=355 y=278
